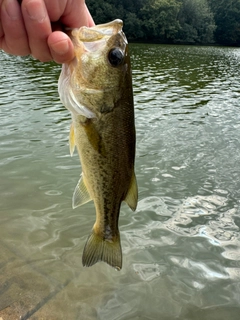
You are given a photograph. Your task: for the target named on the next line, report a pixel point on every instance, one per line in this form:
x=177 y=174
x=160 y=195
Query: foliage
x=227 y=19
x=160 y=19
x=173 y=21
x=197 y=22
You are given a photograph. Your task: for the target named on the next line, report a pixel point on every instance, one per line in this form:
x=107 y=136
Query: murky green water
x=181 y=247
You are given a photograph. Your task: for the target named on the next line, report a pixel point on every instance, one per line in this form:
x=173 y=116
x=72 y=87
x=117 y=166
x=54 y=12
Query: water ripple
x=181 y=246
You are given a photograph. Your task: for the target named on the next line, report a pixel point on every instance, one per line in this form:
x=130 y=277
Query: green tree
x=105 y=11
x=227 y=18
x=160 y=19
x=196 y=21
x=133 y=26
x=193 y=21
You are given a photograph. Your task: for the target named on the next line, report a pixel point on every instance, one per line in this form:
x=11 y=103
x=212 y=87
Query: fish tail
x=99 y=249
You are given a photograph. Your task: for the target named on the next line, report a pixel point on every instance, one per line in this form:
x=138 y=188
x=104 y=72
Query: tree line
x=173 y=21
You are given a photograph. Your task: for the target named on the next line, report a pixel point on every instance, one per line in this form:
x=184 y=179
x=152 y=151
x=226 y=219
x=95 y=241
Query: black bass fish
x=96 y=87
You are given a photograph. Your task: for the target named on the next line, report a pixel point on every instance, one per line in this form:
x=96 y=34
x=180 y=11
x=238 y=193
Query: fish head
x=92 y=83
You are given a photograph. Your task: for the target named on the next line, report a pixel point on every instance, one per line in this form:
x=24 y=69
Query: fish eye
x=115 y=57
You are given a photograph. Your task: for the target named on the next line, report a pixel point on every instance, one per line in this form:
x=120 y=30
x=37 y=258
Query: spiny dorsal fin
x=132 y=196
x=71 y=139
x=80 y=194
x=99 y=249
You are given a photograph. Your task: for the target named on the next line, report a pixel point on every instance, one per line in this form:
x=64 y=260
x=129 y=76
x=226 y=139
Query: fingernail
x=13 y=10
x=36 y=11
x=60 y=47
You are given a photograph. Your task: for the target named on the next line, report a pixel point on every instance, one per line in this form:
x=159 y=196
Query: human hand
x=34 y=27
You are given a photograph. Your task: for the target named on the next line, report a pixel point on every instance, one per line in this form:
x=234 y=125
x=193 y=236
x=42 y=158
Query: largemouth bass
x=96 y=87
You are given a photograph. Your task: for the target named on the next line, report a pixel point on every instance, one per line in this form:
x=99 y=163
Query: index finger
x=38 y=28
x=71 y=19
x=72 y=14
x=13 y=37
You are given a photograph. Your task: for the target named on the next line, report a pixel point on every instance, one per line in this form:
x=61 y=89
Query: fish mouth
x=97 y=32
x=95 y=37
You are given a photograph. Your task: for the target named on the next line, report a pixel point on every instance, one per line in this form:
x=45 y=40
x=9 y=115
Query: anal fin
x=132 y=195
x=80 y=194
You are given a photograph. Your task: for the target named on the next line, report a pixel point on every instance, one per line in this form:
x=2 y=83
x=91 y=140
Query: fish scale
x=96 y=87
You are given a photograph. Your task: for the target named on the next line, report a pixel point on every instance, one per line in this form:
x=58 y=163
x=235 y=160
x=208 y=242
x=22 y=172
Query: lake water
x=181 y=248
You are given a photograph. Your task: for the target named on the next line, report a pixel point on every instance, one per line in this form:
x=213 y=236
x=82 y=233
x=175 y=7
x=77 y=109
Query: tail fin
x=100 y=249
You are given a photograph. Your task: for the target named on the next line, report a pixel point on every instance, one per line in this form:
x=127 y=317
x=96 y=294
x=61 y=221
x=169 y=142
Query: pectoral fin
x=71 y=140
x=132 y=196
x=81 y=194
